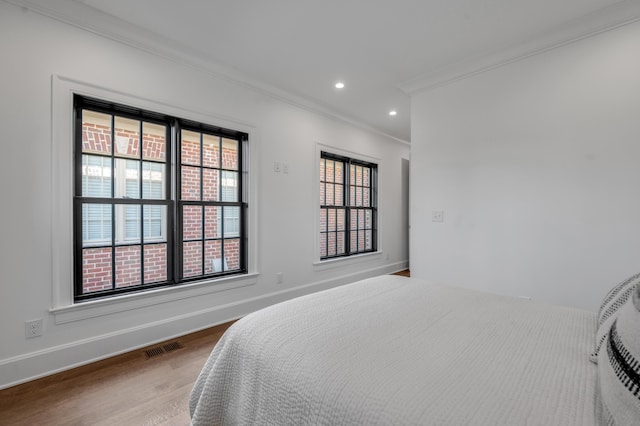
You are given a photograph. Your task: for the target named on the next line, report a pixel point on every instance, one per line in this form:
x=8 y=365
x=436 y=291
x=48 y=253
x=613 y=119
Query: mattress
x=401 y=351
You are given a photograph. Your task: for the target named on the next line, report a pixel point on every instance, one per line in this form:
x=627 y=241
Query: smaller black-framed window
x=348 y=206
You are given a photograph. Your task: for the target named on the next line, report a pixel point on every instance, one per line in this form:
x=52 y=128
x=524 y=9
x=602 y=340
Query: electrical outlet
x=33 y=328
x=279 y=277
x=277 y=166
x=285 y=168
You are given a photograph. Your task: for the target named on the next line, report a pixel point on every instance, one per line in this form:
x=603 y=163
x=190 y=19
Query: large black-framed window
x=158 y=200
x=348 y=206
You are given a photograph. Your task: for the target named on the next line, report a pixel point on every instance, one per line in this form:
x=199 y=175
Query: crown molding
x=602 y=20
x=78 y=14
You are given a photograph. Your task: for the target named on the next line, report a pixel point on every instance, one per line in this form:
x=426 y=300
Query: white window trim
x=346 y=260
x=62 y=167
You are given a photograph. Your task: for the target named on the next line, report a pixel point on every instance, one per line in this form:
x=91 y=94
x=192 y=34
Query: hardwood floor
x=405 y=273
x=129 y=389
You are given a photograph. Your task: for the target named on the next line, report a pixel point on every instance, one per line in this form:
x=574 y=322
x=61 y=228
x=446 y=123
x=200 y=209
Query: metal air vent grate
x=160 y=350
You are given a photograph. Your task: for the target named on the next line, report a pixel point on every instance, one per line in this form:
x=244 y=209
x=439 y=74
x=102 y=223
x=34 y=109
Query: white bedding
x=392 y=350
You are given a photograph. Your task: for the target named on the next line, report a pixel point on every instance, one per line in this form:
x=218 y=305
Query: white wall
x=34 y=48
x=535 y=165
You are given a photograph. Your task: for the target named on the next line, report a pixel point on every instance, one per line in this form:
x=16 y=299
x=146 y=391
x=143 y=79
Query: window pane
x=322 y=163
x=231 y=222
x=96 y=269
x=210 y=185
x=155 y=223
x=213 y=257
x=322 y=194
x=128 y=223
x=361 y=223
x=190 y=143
x=366 y=201
x=192 y=259
x=330 y=169
x=323 y=219
x=358 y=196
x=211 y=151
x=331 y=244
x=353 y=219
x=323 y=244
x=354 y=241
x=329 y=193
x=339 y=167
x=191 y=222
x=127 y=135
x=359 y=175
x=368 y=236
x=366 y=176
x=352 y=179
x=340 y=219
x=154 y=141
x=128 y=270
x=190 y=183
x=212 y=222
x=96 y=132
x=155 y=263
x=231 y=255
x=229 y=154
x=96 y=224
x=341 y=243
x=229 y=186
x=96 y=176
x=339 y=197
x=127 y=178
x=153 y=180
x=368 y=220
x=331 y=216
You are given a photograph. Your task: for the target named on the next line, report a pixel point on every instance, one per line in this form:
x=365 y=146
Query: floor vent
x=154 y=352
x=172 y=346
x=160 y=350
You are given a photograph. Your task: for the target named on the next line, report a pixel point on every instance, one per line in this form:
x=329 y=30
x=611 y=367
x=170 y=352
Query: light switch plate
x=437 y=216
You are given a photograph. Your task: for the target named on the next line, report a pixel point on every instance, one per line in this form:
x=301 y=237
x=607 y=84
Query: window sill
x=127 y=302
x=345 y=261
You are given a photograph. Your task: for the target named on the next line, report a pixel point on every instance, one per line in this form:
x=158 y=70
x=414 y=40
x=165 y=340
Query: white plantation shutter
x=97 y=222
x=232 y=222
x=152 y=189
x=96 y=182
x=231 y=214
x=132 y=213
x=153 y=222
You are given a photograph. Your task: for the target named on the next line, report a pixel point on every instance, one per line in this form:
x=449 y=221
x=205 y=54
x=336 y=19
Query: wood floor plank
x=127 y=389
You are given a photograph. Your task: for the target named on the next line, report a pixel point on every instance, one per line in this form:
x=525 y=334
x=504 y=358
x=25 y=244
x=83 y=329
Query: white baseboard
x=34 y=365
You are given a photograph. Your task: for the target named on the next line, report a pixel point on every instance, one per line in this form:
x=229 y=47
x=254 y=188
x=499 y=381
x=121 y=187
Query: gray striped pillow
x=618 y=392
x=610 y=308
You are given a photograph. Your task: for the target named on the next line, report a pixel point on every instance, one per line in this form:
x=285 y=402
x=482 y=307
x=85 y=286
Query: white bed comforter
x=392 y=351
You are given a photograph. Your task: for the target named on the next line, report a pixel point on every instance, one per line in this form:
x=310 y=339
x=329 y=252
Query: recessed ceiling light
x=393 y=112
x=339 y=85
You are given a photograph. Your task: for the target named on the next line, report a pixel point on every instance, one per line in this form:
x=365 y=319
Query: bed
x=392 y=350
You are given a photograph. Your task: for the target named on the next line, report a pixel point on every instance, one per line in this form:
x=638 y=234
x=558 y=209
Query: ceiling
x=382 y=50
